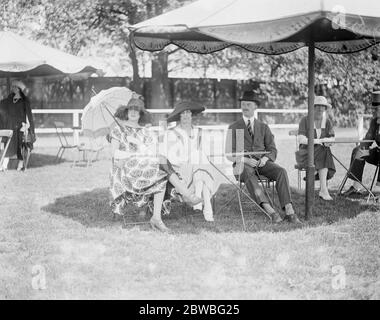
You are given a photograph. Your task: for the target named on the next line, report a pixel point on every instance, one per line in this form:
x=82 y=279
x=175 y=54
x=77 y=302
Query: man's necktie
x=249 y=128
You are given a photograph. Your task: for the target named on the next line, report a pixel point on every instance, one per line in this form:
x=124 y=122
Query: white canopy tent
x=268 y=27
x=21 y=57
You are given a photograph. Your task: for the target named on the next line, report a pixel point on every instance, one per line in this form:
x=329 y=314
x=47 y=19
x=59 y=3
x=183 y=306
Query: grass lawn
x=56 y=226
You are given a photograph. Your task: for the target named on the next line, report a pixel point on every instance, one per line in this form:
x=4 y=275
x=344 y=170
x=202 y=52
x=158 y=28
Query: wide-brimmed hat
x=376 y=98
x=182 y=106
x=19 y=84
x=321 y=101
x=251 y=96
x=136 y=102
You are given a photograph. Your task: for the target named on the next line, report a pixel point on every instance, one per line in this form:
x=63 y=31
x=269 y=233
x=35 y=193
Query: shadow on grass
x=228 y=214
x=36 y=160
x=92 y=210
x=41 y=160
x=89 y=208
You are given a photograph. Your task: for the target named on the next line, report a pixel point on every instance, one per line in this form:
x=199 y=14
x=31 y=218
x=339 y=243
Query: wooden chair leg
x=89 y=158
x=61 y=156
x=124 y=222
x=299 y=179
x=241 y=208
x=76 y=159
x=57 y=157
x=342 y=184
x=374 y=177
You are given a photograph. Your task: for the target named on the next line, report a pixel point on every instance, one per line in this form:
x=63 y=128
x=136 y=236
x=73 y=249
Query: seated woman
x=138 y=173
x=185 y=153
x=323 y=134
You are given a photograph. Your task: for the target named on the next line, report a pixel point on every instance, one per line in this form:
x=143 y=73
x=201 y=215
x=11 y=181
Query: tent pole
x=8 y=86
x=310 y=170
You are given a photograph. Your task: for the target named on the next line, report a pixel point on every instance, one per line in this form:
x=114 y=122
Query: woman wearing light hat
x=139 y=174
x=14 y=112
x=323 y=135
x=184 y=146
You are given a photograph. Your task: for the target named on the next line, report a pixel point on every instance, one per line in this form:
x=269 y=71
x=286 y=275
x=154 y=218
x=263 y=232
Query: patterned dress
x=143 y=173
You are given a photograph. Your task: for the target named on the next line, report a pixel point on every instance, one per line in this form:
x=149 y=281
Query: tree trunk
x=160 y=89
x=159 y=96
x=136 y=84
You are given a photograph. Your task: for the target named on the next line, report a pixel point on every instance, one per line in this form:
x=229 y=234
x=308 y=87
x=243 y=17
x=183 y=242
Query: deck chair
x=62 y=140
x=247 y=204
x=243 y=195
x=5 y=140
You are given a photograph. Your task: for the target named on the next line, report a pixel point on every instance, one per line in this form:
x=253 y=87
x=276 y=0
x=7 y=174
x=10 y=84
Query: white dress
x=185 y=154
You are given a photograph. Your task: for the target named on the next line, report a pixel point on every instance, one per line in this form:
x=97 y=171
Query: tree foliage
x=100 y=27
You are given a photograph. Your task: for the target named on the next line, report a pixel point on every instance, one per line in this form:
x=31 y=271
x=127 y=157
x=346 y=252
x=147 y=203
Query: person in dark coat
x=323 y=136
x=250 y=135
x=363 y=153
x=16 y=115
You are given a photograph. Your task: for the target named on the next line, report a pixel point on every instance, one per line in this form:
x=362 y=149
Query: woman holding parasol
x=139 y=174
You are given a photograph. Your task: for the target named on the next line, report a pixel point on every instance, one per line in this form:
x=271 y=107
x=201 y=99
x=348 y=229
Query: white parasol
x=98 y=115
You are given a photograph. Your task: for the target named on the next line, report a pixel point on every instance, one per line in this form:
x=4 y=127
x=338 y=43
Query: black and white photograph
x=189 y=155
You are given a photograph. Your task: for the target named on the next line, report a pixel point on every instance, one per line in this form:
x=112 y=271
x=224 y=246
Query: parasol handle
x=117 y=122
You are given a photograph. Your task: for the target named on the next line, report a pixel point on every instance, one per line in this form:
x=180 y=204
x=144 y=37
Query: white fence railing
x=76 y=114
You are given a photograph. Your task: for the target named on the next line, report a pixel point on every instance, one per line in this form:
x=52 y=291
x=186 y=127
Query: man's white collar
x=252 y=119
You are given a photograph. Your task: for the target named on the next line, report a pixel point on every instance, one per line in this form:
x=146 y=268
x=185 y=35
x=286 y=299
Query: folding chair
x=62 y=139
x=7 y=136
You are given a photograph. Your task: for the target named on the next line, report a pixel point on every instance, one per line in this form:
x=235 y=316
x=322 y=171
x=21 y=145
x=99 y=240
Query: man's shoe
x=276 y=218
x=292 y=218
x=351 y=192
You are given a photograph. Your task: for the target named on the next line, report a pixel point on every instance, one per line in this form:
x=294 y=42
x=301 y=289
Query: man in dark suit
x=362 y=154
x=248 y=135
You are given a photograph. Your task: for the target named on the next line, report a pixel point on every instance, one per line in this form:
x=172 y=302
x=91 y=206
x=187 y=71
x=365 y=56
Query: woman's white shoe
x=20 y=165
x=198 y=207
x=208 y=215
x=325 y=197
